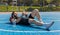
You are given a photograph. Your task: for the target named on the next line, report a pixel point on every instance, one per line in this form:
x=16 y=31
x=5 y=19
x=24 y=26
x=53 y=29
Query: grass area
x=3 y=8
x=27 y=8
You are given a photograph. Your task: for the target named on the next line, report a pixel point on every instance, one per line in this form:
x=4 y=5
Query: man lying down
x=28 y=20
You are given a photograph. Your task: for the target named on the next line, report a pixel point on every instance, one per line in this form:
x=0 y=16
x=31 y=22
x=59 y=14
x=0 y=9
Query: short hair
x=36 y=9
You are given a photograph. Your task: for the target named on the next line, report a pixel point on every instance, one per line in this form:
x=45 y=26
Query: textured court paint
x=46 y=16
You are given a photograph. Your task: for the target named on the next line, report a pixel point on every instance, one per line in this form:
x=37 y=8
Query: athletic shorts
x=30 y=16
x=24 y=21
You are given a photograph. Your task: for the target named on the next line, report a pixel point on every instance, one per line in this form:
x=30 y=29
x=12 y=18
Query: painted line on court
x=27 y=31
x=51 y=20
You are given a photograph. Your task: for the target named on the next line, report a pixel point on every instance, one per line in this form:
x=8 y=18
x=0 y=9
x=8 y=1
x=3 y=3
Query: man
x=13 y=18
x=30 y=19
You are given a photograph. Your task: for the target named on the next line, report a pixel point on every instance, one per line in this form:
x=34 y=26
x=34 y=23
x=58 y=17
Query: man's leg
x=35 y=22
x=36 y=13
x=47 y=25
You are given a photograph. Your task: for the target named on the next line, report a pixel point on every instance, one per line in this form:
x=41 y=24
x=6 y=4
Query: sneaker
x=50 y=25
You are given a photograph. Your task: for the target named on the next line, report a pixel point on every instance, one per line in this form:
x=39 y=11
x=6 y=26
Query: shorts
x=24 y=21
x=30 y=16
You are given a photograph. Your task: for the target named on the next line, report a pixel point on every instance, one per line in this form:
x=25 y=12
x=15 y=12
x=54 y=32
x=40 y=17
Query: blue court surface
x=47 y=17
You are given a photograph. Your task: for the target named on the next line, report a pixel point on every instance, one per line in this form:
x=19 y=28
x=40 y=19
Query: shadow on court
x=30 y=26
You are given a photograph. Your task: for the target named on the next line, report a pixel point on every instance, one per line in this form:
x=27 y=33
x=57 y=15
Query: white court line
x=51 y=20
x=28 y=31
